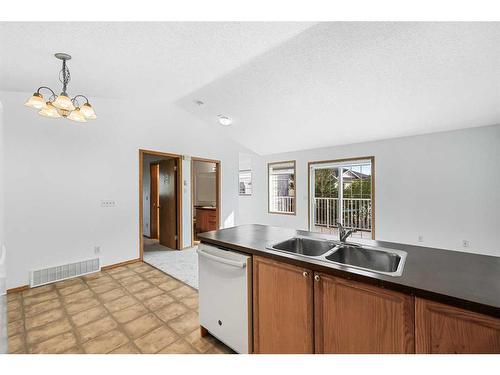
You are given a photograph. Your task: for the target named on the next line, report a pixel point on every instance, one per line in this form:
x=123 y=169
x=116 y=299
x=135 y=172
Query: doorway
x=205 y=197
x=342 y=192
x=176 y=193
x=160 y=203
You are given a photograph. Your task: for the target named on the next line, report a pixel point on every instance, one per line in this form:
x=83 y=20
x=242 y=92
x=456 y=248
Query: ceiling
x=287 y=86
x=132 y=59
x=340 y=83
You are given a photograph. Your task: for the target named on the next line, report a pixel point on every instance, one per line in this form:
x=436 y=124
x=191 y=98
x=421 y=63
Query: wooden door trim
x=217 y=191
x=179 y=195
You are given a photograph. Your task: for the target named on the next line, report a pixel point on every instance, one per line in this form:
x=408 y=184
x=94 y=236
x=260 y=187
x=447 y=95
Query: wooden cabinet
x=296 y=311
x=353 y=317
x=206 y=220
x=283 y=307
x=446 y=329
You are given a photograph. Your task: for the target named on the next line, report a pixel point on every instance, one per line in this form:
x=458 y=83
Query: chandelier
x=62 y=105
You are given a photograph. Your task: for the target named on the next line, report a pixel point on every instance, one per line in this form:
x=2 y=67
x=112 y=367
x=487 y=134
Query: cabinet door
x=283 y=307
x=201 y=221
x=352 y=317
x=212 y=220
x=446 y=329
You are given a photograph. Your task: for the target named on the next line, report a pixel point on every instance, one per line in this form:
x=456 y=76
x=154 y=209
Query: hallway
x=181 y=264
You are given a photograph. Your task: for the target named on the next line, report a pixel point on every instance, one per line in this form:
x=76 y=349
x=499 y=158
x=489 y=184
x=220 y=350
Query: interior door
x=167 y=187
x=154 y=201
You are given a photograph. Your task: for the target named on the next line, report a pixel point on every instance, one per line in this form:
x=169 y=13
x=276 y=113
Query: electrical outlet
x=97 y=249
x=465 y=243
x=420 y=238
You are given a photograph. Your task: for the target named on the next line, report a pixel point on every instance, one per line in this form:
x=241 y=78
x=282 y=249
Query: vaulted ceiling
x=137 y=60
x=287 y=86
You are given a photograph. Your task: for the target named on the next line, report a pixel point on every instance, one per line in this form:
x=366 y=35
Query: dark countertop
x=465 y=280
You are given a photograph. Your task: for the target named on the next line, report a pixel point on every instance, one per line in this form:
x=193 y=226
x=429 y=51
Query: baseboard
x=111 y=266
x=18 y=289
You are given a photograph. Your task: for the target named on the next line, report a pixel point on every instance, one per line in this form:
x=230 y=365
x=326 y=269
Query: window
x=281 y=183
x=341 y=191
x=245 y=180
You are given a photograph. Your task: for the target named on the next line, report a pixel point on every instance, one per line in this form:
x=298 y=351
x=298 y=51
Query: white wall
x=3 y=266
x=2 y=176
x=3 y=308
x=57 y=171
x=443 y=186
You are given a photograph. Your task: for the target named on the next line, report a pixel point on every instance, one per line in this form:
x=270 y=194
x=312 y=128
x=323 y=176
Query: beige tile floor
x=130 y=309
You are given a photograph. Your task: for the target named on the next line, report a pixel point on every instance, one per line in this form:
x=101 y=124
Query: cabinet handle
x=317 y=278
x=305 y=274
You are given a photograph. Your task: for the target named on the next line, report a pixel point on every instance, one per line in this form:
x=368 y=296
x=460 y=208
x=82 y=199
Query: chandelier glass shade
x=36 y=101
x=64 y=102
x=77 y=115
x=62 y=105
x=49 y=111
x=88 y=111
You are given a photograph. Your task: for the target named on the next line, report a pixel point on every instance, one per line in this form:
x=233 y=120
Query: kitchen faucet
x=343 y=233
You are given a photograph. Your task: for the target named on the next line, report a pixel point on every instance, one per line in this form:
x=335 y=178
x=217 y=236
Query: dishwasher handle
x=215 y=258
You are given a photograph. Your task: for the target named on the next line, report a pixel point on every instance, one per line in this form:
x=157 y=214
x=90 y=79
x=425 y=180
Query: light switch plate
x=108 y=203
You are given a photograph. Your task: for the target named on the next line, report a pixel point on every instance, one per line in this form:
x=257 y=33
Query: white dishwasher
x=225 y=291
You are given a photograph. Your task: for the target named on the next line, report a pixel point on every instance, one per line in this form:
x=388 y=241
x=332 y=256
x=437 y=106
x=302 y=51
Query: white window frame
x=249 y=171
x=329 y=164
x=294 y=204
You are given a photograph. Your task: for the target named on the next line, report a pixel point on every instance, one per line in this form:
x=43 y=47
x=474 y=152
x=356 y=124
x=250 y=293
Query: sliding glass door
x=341 y=192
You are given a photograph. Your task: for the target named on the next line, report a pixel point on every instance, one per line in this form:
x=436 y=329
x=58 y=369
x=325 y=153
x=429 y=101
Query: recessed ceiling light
x=224 y=120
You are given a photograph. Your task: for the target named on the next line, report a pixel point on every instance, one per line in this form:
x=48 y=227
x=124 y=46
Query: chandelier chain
x=64 y=76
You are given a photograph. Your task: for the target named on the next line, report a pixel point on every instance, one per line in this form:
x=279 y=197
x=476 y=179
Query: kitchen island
x=441 y=299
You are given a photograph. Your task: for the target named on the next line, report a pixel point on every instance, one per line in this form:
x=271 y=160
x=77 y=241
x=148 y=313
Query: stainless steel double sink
x=370 y=258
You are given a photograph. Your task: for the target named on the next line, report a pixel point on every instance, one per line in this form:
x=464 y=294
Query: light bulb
x=224 y=120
